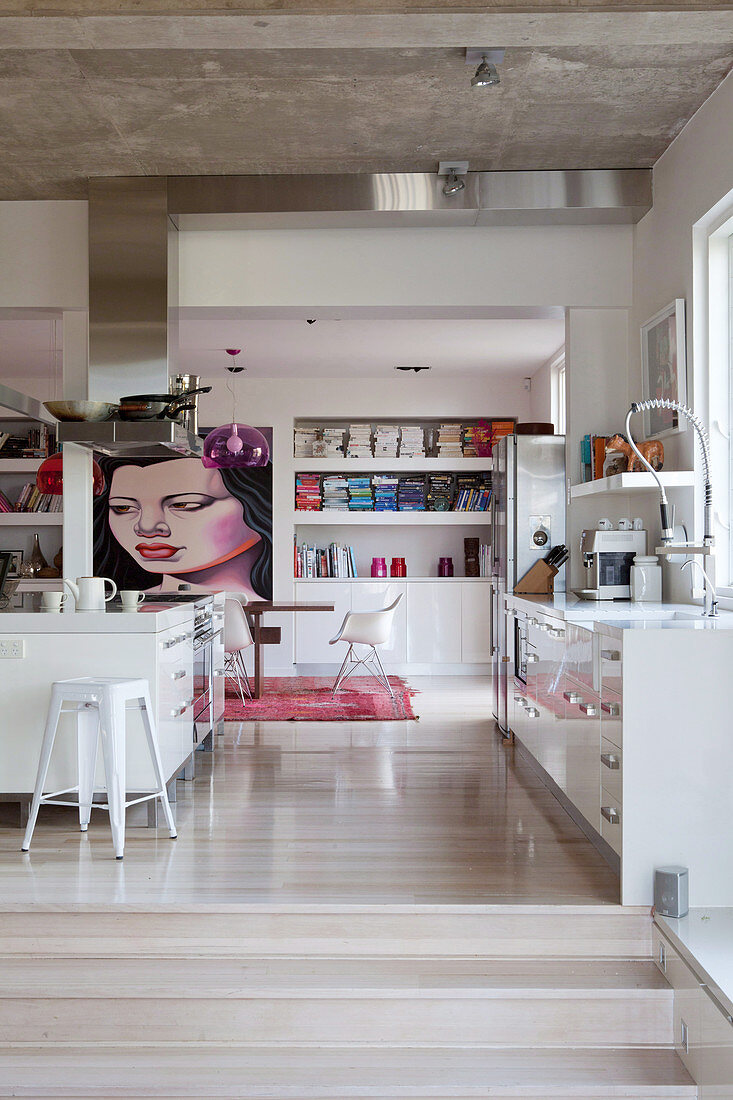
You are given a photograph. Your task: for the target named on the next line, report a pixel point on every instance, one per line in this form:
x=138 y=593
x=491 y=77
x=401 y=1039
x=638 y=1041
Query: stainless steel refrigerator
x=527 y=520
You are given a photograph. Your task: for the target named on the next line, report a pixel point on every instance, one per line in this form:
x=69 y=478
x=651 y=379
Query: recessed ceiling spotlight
x=415 y=369
x=453 y=170
x=486 y=75
x=311 y=320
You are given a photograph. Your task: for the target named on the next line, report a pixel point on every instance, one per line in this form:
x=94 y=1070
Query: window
x=720 y=393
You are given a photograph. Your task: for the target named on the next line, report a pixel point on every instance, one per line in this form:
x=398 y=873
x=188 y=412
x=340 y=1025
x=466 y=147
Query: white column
x=77 y=528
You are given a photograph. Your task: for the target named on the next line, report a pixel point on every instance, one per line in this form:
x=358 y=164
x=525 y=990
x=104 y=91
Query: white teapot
x=89 y=594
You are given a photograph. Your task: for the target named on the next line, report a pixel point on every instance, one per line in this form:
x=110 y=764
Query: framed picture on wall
x=664 y=368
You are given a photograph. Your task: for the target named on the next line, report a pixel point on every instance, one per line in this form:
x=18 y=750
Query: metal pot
x=157 y=406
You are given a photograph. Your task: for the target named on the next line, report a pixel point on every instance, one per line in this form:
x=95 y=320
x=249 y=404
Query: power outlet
x=11 y=649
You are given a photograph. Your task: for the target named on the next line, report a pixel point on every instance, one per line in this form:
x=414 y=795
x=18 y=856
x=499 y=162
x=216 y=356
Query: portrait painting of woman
x=165 y=522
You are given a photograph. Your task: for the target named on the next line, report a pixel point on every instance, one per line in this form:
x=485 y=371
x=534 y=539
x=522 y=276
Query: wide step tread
x=385 y=1073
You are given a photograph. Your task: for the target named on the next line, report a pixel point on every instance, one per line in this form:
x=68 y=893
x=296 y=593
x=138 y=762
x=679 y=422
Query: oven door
x=203 y=682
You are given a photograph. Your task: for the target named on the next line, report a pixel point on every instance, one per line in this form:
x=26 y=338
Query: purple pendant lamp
x=234 y=446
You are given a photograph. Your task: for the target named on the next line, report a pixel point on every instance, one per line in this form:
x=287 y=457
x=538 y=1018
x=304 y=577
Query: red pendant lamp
x=50 y=476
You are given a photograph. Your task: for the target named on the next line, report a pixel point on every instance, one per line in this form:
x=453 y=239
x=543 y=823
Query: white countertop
x=705 y=939
x=615 y=616
x=149 y=619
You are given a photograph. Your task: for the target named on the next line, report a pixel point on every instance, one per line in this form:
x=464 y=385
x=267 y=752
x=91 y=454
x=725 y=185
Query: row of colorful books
x=393 y=493
x=334 y=560
x=31 y=500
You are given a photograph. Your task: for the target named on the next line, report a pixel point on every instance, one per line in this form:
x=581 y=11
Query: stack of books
x=477 y=440
x=307 y=493
x=31 y=500
x=449 y=441
x=333 y=441
x=411 y=494
x=330 y=561
x=360 y=441
x=473 y=493
x=335 y=493
x=440 y=492
x=303 y=439
x=412 y=441
x=37 y=443
x=386 y=440
x=360 y=494
x=500 y=428
x=385 y=492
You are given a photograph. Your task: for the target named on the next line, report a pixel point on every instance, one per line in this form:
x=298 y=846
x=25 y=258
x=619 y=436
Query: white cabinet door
x=373 y=595
x=313 y=629
x=475 y=623
x=434 y=622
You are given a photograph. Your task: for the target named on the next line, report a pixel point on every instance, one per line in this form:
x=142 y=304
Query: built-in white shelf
x=630 y=483
x=381 y=465
x=391 y=580
x=31 y=519
x=40 y=584
x=392 y=519
x=19 y=465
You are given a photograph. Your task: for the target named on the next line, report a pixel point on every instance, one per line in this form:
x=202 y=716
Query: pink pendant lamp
x=235 y=446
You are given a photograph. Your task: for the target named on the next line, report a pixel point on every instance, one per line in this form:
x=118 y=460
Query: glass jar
x=379 y=567
x=445 y=567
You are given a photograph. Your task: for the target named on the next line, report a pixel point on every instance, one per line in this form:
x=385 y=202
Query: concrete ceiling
x=355 y=348
x=124 y=95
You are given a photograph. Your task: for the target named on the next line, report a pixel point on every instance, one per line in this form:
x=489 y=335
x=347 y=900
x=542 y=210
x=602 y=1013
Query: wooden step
x=356 y=1073
x=527 y=1003
x=237 y=931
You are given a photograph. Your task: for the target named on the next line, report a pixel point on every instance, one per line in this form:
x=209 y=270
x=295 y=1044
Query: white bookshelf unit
x=18 y=528
x=443 y=623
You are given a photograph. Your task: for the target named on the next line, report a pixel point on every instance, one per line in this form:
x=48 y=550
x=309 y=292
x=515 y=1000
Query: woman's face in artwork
x=176 y=517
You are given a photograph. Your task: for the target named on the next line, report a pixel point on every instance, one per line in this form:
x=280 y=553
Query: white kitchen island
x=154 y=643
x=625 y=712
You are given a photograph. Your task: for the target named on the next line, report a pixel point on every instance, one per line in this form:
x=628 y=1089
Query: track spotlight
x=486 y=75
x=453 y=184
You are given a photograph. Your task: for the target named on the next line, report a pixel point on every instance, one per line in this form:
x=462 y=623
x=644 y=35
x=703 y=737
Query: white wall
x=480 y=267
x=693 y=176
x=43 y=255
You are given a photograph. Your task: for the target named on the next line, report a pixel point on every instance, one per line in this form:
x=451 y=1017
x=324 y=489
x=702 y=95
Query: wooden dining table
x=270 y=635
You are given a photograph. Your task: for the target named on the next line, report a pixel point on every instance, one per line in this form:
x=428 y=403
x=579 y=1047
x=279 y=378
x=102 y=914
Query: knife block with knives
x=539 y=580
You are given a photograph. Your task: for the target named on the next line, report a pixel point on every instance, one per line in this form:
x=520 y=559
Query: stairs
x=335 y=1001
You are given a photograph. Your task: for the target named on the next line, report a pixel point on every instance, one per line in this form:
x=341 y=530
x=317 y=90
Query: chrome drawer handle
x=178 y=711
x=589 y=708
x=610 y=761
x=532 y=658
x=555 y=632
x=611 y=814
x=178 y=674
x=532 y=712
x=572 y=697
x=542 y=626
x=220 y=672
x=532 y=622
x=611 y=708
x=170 y=642
x=610 y=655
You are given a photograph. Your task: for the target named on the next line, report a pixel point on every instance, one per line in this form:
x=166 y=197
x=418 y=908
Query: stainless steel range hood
x=132 y=438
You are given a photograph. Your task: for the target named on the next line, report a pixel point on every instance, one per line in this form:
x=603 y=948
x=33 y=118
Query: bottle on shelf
x=445 y=567
x=379 y=567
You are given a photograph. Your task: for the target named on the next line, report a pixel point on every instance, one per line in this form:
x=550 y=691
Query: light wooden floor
x=433 y=811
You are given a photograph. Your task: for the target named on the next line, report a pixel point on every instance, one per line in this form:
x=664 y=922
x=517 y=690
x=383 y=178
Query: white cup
x=53 y=601
x=131 y=599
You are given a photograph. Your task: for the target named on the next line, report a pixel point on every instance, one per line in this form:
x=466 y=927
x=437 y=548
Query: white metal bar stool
x=100 y=704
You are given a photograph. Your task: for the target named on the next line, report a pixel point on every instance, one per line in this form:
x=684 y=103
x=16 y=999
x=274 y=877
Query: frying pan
x=157 y=406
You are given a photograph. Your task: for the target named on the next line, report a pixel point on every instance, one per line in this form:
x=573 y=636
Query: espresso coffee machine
x=608 y=557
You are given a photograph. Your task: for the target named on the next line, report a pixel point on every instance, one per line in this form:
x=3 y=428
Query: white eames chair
x=367 y=629
x=237 y=638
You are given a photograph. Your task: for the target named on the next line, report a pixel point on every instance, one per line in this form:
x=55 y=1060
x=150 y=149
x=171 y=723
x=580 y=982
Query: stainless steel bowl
x=80 y=410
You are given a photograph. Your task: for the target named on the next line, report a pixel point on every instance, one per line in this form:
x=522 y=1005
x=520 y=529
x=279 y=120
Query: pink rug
x=309 y=699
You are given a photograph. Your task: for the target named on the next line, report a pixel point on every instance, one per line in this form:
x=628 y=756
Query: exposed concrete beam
x=686 y=24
